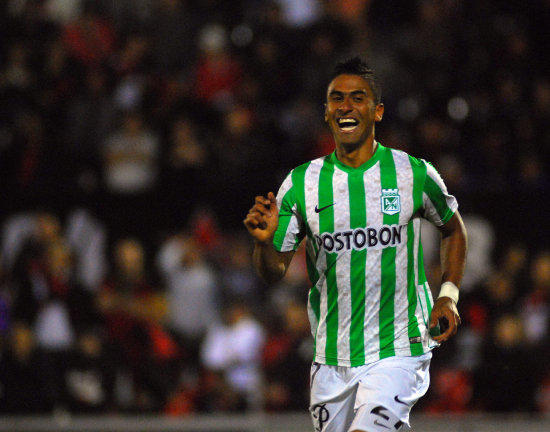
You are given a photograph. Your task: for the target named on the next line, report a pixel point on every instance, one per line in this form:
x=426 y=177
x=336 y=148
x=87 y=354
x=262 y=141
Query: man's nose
x=345 y=106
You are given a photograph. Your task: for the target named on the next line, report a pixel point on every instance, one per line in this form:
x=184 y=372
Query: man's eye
x=358 y=99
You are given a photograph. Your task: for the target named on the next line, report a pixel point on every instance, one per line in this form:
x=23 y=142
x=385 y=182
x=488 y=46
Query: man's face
x=351 y=110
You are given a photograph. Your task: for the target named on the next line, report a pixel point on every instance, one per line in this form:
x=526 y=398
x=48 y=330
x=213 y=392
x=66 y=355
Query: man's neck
x=356 y=156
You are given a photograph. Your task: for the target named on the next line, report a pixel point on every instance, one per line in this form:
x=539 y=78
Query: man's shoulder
x=403 y=155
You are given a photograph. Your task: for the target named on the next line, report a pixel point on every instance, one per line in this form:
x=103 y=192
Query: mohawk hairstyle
x=356 y=66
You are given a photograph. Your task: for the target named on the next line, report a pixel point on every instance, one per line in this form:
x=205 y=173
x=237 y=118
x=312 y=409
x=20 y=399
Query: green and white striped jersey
x=369 y=297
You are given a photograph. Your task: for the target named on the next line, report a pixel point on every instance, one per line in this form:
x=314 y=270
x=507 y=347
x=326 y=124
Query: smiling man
x=351 y=110
x=372 y=315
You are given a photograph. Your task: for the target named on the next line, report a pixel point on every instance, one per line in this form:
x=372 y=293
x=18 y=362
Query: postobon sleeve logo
x=390 y=201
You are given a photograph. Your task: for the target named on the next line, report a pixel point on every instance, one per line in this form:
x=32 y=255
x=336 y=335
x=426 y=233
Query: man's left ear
x=379 y=112
x=326 y=114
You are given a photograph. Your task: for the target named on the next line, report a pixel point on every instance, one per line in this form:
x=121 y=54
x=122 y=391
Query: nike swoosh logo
x=396 y=398
x=319 y=210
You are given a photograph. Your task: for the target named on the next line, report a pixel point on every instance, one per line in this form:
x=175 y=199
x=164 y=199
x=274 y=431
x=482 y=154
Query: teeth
x=347 y=122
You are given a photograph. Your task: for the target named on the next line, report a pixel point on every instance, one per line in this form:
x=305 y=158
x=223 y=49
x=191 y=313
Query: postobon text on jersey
x=361 y=238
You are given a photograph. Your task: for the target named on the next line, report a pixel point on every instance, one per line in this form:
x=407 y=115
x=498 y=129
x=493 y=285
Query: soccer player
x=372 y=315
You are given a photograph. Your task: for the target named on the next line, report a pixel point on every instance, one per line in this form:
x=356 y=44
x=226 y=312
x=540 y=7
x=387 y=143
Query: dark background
x=205 y=104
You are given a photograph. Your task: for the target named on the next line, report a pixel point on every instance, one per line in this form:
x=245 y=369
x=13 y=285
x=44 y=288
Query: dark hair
x=356 y=66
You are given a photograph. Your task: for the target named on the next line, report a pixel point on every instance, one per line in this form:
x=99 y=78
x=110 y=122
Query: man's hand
x=263 y=218
x=445 y=307
x=261 y=222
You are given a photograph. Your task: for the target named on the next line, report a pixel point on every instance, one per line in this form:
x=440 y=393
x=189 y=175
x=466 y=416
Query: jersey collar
x=361 y=168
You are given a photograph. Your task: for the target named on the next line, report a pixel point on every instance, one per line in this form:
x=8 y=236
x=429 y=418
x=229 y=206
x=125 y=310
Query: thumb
x=434 y=320
x=271 y=197
x=273 y=205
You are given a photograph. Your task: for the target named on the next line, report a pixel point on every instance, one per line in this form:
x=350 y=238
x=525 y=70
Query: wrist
x=449 y=289
x=263 y=243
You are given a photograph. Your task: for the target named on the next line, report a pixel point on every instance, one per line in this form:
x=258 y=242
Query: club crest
x=390 y=201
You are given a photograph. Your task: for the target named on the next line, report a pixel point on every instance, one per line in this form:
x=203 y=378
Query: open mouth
x=347 y=124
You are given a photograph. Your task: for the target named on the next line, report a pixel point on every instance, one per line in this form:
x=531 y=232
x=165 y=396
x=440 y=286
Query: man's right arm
x=261 y=222
x=269 y=263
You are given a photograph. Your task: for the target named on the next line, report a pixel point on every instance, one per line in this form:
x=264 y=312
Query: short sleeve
x=439 y=206
x=290 y=231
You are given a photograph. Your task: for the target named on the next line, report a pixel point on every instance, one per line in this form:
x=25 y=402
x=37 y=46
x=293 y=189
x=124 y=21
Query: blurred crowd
x=134 y=135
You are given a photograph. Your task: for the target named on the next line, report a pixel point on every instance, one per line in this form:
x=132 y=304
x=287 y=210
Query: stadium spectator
x=286 y=361
x=48 y=300
x=237 y=278
x=217 y=71
x=130 y=168
x=536 y=308
x=24 y=384
x=89 y=376
x=185 y=164
x=231 y=351
x=191 y=292
x=132 y=309
x=90 y=39
x=91 y=116
x=508 y=376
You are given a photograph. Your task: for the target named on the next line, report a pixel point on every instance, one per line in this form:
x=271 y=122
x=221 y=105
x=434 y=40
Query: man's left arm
x=453 y=248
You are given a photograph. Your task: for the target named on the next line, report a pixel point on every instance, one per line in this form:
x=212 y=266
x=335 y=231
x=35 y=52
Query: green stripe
x=424 y=316
x=428 y=186
x=314 y=294
x=420 y=258
x=285 y=216
x=388 y=180
x=314 y=298
x=299 y=188
x=298 y=181
x=298 y=184
x=428 y=302
x=419 y=173
x=438 y=199
x=419 y=177
x=326 y=224
x=414 y=331
x=421 y=273
x=358 y=218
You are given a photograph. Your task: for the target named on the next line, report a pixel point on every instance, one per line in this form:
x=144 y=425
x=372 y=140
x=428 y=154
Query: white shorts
x=376 y=397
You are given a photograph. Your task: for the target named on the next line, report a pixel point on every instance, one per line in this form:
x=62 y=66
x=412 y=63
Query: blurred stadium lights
x=458 y=109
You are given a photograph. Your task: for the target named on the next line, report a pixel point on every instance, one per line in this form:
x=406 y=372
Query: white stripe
x=434 y=175
x=321 y=341
x=423 y=306
x=289 y=241
x=285 y=187
x=429 y=300
x=405 y=187
x=311 y=181
x=373 y=265
x=312 y=318
x=431 y=212
x=340 y=190
x=421 y=311
x=405 y=180
x=311 y=184
x=417 y=237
